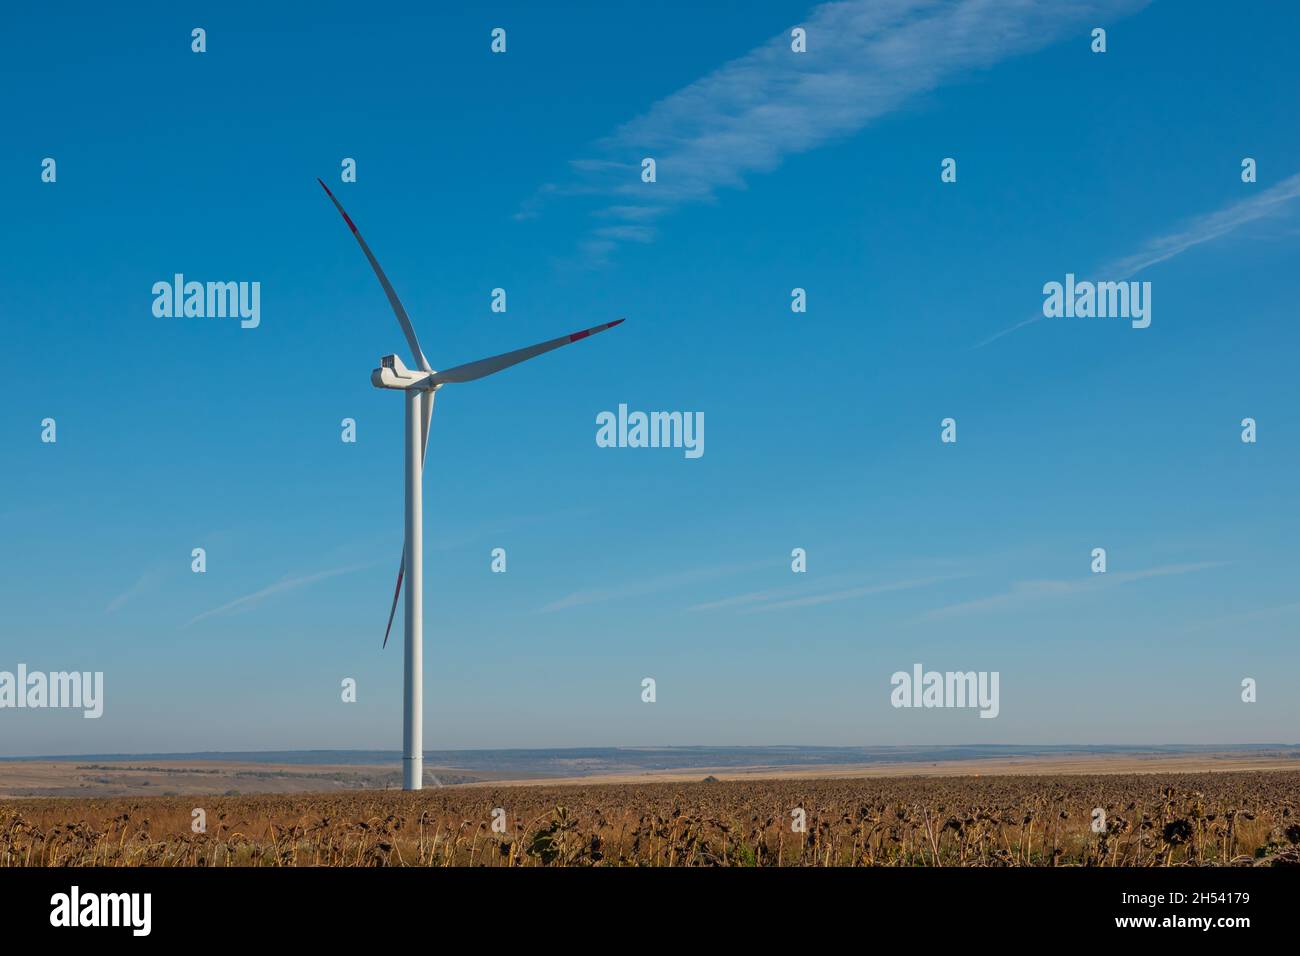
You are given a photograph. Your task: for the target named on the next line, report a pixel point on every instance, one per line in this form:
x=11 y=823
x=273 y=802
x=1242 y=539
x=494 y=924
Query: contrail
x=1202 y=229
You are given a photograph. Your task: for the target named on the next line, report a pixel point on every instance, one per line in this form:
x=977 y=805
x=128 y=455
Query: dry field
x=1167 y=819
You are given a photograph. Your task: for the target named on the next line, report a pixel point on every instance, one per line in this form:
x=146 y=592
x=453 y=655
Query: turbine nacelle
x=393 y=374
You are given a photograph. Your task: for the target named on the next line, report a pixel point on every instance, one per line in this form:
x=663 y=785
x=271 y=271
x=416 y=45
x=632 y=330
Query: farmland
x=1234 y=818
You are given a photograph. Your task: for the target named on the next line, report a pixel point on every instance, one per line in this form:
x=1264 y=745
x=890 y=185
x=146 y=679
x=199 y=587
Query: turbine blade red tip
x=339 y=206
x=575 y=336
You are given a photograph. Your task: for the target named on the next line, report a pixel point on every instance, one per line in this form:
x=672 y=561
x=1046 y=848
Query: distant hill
x=586 y=761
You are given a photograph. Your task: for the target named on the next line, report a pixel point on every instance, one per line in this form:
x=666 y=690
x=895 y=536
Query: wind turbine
x=420 y=385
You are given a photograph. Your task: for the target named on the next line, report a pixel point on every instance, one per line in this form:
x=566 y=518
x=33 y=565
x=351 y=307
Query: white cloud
x=249 y=601
x=865 y=59
x=651 y=585
x=849 y=594
x=144 y=583
x=739 y=600
x=775 y=599
x=1025 y=592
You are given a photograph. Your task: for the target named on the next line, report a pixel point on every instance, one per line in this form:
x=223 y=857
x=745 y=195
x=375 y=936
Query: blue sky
x=775 y=171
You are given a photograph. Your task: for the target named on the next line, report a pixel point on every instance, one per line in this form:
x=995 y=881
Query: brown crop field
x=1168 y=819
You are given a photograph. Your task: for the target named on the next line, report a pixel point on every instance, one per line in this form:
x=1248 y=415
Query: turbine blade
x=472 y=370
x=428 y=414
x=407 y=328
x=393 y=610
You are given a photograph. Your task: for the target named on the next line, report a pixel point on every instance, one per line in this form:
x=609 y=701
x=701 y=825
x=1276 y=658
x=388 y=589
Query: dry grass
x=1154 y=820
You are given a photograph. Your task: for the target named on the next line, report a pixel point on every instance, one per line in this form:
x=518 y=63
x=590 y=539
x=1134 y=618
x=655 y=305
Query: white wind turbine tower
x=420 y=386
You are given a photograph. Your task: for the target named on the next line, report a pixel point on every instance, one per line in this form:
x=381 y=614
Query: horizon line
x=645 y=747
